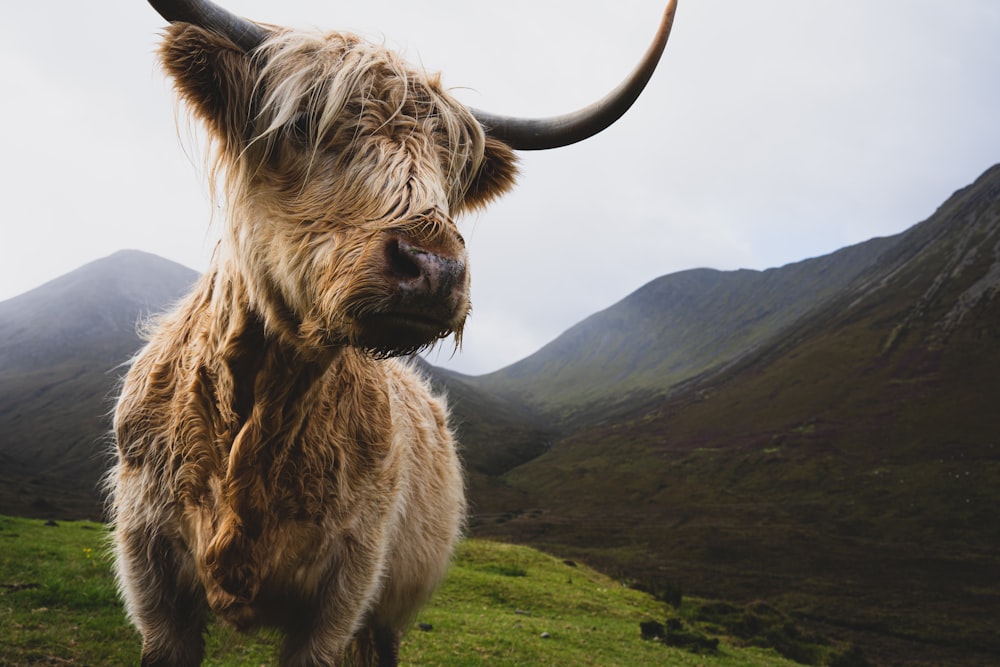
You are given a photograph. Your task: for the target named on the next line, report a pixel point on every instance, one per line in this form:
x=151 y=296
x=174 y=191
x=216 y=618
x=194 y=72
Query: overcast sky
x=773 y=131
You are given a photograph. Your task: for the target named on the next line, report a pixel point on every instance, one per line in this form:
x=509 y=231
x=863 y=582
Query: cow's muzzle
x=428 y=298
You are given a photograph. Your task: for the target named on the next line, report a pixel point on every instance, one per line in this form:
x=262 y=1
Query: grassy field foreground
x=501 y=605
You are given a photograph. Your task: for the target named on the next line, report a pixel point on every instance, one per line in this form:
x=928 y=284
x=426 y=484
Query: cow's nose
x=421 y=272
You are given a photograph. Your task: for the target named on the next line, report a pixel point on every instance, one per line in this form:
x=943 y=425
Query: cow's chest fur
x=309 y=472
x=271 y=484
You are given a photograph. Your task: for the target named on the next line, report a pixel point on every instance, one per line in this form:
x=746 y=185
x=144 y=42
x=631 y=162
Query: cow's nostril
x=403 y=260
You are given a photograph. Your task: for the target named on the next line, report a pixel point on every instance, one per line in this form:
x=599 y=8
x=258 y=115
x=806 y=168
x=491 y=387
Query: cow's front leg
x=162 y=598
x=322 y=634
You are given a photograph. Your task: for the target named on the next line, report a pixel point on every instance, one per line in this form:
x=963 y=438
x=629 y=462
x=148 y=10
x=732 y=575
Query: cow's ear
x=496 y=175
x=214 y=77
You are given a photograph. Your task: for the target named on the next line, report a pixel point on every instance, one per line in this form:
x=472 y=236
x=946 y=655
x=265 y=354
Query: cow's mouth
x=396 y=333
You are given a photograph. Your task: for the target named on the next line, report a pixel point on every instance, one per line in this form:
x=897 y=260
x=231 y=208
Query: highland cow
x=280 y=463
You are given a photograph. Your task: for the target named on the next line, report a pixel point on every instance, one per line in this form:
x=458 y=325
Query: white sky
x=773 y=131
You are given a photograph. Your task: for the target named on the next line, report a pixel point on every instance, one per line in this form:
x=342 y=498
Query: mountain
x=846 y=466
x=672 y=329
x=62 y=346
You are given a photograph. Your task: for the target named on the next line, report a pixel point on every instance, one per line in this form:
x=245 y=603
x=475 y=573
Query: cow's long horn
x=542 y=133
x=518 y=133
x=205 y=14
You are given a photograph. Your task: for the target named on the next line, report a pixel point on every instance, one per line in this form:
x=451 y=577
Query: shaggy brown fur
x=275 y=466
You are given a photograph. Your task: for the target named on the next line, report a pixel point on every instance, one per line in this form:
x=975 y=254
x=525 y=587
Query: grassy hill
x=501 y=605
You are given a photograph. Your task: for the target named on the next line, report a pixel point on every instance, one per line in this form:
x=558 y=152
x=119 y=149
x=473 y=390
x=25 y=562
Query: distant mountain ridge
x=674 y=328
x=62 y=348
x=93 y=308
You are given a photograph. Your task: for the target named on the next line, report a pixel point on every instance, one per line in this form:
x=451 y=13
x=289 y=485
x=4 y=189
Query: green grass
x=57 y=599
x=499 y=601
x=58 y=606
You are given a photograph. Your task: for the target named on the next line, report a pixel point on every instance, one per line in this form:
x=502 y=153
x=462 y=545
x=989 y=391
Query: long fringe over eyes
x=331 y=88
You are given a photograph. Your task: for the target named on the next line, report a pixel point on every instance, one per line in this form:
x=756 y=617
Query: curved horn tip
x=558 y=131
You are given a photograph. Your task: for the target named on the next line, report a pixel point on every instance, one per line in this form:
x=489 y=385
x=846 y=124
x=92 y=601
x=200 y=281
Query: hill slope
x=61 y=345
x=672 y=329
x=61 y=608
x=847 y=467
